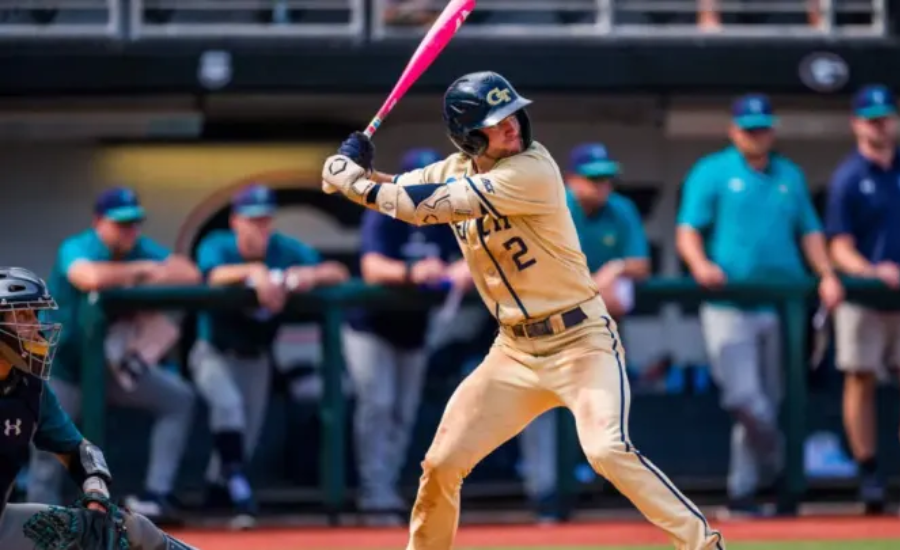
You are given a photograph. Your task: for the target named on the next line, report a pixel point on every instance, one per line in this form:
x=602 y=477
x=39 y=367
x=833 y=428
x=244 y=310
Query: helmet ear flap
x=524 y=128
x=472 y=143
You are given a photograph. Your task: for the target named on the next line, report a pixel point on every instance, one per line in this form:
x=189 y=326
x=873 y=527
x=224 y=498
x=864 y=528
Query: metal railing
x=534 y=19
x=790 y=297
x=247 y=18
x=46 y=19
x=384 y=19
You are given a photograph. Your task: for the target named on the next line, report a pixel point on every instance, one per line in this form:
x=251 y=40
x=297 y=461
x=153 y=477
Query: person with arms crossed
x=557 y=346
x=385 y=351
x=231 y=360
x=749 y=207
x=609 y=227
x=115 y=254
x=31 y=414
x=863 y=223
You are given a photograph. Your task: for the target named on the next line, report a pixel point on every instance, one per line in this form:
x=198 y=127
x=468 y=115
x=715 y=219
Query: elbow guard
x=87 y=461
x=426 y=204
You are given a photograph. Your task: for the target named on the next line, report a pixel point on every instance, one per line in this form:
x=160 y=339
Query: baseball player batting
x=31 y=413
x=557 y=345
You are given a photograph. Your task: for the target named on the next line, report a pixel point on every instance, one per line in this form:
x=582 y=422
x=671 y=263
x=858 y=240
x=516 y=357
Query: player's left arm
x=517 y=187
x=171 y=268
x=57 y=434
x=813 y=237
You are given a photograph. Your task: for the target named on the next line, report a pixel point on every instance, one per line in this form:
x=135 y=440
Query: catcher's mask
x=26 y=342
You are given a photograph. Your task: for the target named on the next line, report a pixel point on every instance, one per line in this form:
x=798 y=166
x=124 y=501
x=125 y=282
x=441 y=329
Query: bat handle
x=370 y=129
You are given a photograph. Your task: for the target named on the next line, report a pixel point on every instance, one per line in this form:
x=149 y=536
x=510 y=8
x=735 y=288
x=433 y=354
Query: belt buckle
x=524 y=328
x=544 y=326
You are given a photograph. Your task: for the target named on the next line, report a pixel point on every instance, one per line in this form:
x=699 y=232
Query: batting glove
x=360 y=149
x=344 y=175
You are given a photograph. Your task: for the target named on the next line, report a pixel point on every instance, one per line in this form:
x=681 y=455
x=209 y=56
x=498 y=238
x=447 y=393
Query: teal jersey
x=245 y=332
x=84 y=246
x=615 y=232
x=752 y=221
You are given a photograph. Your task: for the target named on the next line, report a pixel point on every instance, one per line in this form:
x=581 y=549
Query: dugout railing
x=793 y=300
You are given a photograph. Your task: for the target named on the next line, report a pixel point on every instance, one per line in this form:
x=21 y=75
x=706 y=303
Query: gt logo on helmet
x=498 y=96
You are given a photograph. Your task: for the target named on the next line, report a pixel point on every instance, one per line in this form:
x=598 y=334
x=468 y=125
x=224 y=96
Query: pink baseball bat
x=450 y=21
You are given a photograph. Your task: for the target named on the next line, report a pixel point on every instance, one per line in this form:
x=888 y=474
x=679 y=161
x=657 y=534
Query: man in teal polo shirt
x=746 y=215
x=114 y=253
x=609 y=227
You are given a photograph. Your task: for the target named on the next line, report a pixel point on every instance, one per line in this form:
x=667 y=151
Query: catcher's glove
x=78 y=528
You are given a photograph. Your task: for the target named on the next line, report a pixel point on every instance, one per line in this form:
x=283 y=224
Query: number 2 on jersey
x=521 y=249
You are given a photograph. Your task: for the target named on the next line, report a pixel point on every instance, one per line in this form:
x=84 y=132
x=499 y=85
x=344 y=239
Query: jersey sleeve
x=635 y=244
x=210 y=255
x=75 y=250
x=148 y=249
x=427 y=174
x=519 y=186
x=56 y=433
x=839 y=218
x=698 y=197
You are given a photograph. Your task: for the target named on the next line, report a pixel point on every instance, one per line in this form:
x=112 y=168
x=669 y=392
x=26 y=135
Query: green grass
x=792 y=545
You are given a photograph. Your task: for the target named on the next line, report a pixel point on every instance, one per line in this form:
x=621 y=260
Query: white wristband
x=94 y=484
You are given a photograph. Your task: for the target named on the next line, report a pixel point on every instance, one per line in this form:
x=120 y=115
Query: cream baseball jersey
x=523 y=251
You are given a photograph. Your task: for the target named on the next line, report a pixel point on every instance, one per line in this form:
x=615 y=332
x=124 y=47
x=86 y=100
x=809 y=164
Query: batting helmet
x=26 y=342
x=480 y=100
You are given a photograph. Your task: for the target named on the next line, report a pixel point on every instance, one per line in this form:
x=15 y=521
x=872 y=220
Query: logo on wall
x=824 y=72
x=214 y=69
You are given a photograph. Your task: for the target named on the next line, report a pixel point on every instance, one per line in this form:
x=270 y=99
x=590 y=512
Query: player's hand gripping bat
x=447 y=24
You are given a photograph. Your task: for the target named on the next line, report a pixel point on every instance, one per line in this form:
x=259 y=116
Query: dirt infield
x=574 y=534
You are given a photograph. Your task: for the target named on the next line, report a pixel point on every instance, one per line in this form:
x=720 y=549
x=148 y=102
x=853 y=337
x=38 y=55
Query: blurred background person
x=745 y=207
x=385 y=350
x=231 y=360
x=112 y=254
x=609 y=227
x=863 y=223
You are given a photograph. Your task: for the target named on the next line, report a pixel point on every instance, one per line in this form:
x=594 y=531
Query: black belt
x=570 y=318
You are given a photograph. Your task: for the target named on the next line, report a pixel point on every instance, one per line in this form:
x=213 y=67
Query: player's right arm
x=697 y=213
x=86 y=272
x=518 y=186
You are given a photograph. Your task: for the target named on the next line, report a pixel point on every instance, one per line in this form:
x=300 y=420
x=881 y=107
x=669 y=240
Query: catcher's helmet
x=480 y=100
x=26 y=342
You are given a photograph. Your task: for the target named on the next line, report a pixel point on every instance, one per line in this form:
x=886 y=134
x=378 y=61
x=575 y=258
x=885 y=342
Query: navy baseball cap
x=874 y=101
x=592 y=160
x=119 y=204
x=753 y=112
x=418 y=158
x=254 y=201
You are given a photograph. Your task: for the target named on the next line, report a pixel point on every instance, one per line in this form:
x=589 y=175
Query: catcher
x=30 y=412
